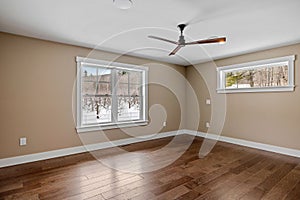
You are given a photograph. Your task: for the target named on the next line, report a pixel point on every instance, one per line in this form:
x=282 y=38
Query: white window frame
x=112 y=65
x=289 y=60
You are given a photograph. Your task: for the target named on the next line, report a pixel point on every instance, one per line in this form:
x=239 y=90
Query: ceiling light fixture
x=123 y=4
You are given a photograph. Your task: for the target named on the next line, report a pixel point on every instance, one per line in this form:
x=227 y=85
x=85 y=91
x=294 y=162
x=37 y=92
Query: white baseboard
x=246 y=143
x=5 y=162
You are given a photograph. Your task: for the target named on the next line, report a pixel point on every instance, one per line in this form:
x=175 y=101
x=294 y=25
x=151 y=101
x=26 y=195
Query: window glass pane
x=90 y=78
x=135 y=90
x=96 y=74
x=128 y=108
x=88 y=88
x=128 y=91
x=136 y=77
x=122 y=89
x=258 y=77
x=122 y=76
x=89 y=74
x=96 y=110
x=103 y=89
x=95 y=82
x=104 y=75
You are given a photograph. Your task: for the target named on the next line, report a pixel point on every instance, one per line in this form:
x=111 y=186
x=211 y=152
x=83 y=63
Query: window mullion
x=114 y=106
x=97 y=79
x=128 y=84
x=142 y=96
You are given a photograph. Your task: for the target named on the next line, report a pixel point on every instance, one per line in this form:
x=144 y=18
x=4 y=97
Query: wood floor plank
x=249 y=183
x=87 y=190
x=221 y=185
x=294 y=194
x=259 y=191
x=189 y=195
x=131 y=191
x=174 y=193
x=166 y=187
x=12 y=186
x=284 y=186
x=198 y=181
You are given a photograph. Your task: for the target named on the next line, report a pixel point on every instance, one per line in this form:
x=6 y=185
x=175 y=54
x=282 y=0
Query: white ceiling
x=250 y=25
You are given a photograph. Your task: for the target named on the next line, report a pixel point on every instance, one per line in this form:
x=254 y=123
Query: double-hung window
x=272 y=75
x=110 y=95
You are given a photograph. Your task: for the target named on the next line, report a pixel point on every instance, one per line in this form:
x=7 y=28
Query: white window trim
x=113 y=65
x=221 y=71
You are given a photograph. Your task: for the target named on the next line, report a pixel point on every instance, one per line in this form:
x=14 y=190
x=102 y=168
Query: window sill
x=265 y=89
x=101 y=127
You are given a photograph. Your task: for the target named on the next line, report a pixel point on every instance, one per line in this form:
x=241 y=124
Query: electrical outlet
x=165 y=124
x=207 y=102
x=207 y=125
x=23 y=141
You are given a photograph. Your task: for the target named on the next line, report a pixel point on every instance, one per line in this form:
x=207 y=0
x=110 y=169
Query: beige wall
x=270 y=118
x=199 y=87
x=36 y=84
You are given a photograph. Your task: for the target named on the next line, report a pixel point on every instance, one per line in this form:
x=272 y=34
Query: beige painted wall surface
x=270 y=118
x=36 y=84
x=199 y=87
x=37 y=79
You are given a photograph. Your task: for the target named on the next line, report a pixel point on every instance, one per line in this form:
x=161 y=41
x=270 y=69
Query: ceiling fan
x=181 y=41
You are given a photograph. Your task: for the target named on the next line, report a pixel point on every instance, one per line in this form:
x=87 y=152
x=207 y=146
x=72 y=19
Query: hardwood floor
x=228 y=172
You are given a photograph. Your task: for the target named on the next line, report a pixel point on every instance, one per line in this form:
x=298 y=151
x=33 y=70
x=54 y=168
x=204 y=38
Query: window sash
x=114 y=67
x=270 y=63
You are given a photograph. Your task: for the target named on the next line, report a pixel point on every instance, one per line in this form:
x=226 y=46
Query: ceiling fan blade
x=175 y=50
x=162 y=39
x=206 y=41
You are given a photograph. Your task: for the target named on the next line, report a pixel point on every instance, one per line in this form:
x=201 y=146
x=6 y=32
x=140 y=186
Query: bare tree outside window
x=258 y=77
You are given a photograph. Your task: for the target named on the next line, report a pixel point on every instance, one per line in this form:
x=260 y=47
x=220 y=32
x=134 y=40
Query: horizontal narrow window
x=260 y=76
x=110 y=95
